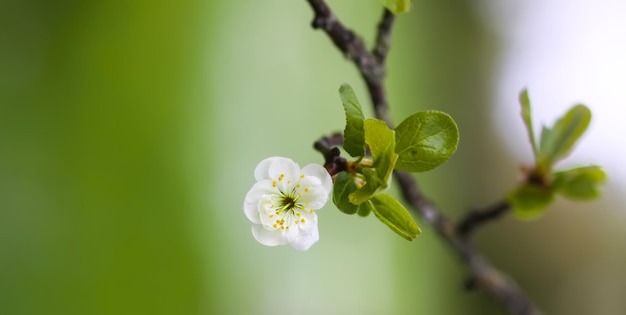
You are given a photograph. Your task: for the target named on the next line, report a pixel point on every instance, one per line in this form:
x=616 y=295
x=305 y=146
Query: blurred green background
x=129 y=132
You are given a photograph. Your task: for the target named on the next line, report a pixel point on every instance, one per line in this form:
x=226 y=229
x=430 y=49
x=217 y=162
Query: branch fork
x=371 y=66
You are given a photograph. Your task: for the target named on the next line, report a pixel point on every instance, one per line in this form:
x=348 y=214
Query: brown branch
x=383 y=38
x=353 y=47
x=484 y=275
x=371 y=66
x=477 y=218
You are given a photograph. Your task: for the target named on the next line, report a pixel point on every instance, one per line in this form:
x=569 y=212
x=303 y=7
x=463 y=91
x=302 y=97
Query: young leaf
x=344 y=185
x=365 y=209
x=397 y=6
x=394 y=215
x=425 y=140
x=353 y=138
x=378 y=137
x=530 y=201
x=557 y=142
x=381 y=141
x=528 y=121
x=580 y=183
x=372 y=184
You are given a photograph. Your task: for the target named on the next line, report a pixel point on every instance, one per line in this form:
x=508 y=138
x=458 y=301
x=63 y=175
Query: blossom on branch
x=282 y=204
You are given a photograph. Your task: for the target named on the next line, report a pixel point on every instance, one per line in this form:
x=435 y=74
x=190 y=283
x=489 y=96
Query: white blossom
x=282 y=204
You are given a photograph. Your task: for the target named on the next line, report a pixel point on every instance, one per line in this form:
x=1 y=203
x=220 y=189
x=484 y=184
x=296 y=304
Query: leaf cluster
x=420 y=143
x=542 y=184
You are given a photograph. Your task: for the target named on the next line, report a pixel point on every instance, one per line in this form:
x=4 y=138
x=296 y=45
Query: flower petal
x=283 y=166
x=259 y=190
x=253 y=198
x=291 y=234
x=267 y=215
x=307 y=236
x=313 y=194
x=251 y=210
x=266 y=237
x=262 y=170
x=321 y=173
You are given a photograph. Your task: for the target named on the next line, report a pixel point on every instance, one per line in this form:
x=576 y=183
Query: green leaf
x=530 y=201
x=365 y=209
x=381 y=141
x=378 y=137
x=557 y=142
x=580 y=183
x=526 y=116
x=397 y=6
x=394 y=215
x=353 y=138
x=425 y=140
x=343 y=186
x=373 y=183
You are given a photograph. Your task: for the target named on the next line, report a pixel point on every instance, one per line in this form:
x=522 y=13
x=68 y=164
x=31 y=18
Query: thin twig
x=353 y=47
x=484 y=275
x=383 y=38
x=478 y=218
x=372 y=68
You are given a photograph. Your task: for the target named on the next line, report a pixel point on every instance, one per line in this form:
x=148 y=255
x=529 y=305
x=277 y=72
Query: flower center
x=285 y=209
x=288 y=203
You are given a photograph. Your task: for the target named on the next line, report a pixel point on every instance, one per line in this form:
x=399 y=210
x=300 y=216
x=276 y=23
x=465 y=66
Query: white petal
x=267 y=217
x=259 y=190
x=291 y=234
x=311 y=219
x=315 y=198
x=266 y=237
x=309 y=181
x=262 y=170
x=313 y=194
x=307 y=236
x=284 y=166
x=251 y=210
x=253 y=198
x=321 y=173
